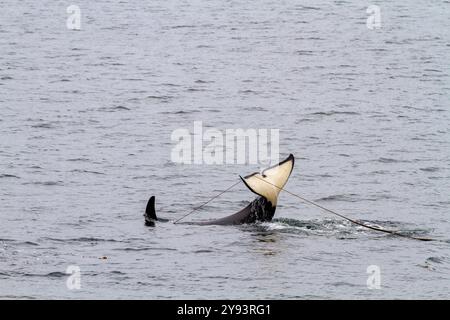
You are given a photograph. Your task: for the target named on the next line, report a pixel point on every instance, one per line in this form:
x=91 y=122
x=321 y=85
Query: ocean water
x=86 y=118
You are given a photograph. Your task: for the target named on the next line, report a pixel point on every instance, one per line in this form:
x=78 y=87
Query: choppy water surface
x=86 y=119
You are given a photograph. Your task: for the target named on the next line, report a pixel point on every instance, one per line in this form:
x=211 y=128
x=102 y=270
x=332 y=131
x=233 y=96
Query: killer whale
x=266 y=184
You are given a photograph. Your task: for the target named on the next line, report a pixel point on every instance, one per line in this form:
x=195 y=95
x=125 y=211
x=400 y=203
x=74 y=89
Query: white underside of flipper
x=269 y=182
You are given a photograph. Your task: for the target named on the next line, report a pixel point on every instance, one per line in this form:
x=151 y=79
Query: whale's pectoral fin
x=269 y=183
x=150 y=213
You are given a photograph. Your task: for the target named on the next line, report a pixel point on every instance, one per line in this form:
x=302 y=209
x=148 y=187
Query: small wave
x=203 y=251
x=430 y=169
x=28 y=243
x=160 y=98
x=78 y=159
x=81 y=239
x=304 y=52
x=170 y=84
x=214 y=110
x=303 y=120
x=339 y=197
x=390 y=160
x=114 y=109
x=87 y=171
x=54 y=274
x=435 y=259
x=8 y=176
x=255 y=109
x=333 y=113
x=310 y=8
x=145 y=249
x=118 y=272
x=183 y=26
x=202 y=81
x=20 y=242
x=276 y=226
x=435 y=263
x=298 y=223
x=195 y=90
x=43 y=126
x=47 y=183
x=13 y=297
x=290 y=226
x=248 y=91
x=343 y=284
x=180 y=112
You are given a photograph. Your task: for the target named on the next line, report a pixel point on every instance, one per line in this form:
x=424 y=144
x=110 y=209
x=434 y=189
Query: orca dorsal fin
x=150 y=210
x=269 y=182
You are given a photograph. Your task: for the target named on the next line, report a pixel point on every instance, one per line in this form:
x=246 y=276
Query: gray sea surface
x=86 y=118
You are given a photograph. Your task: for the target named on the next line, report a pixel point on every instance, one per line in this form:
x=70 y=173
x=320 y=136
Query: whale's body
x=267 y=185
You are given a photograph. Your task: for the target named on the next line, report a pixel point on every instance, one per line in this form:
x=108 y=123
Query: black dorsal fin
x=150 y=210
